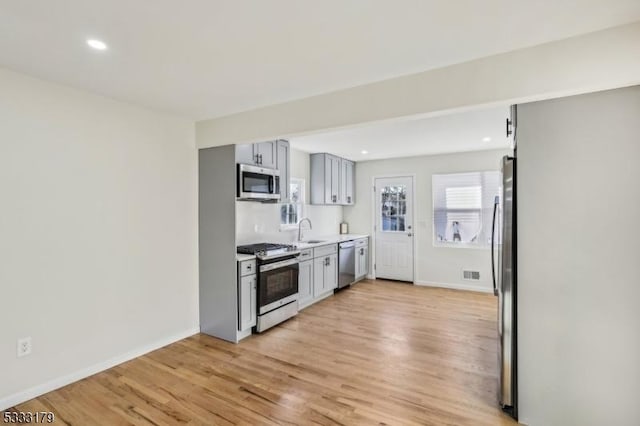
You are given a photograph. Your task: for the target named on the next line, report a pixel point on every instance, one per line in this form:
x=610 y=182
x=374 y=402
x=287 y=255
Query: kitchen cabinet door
x=266 y=153
x=328 y=190
x=283 y=165
x=362 y=262
x=305 y=283
x=347 y=182
x=245 y=154
x=336 y=174
x=332 y=179
x=247 y=294
x=331 y=273
x=318 y=276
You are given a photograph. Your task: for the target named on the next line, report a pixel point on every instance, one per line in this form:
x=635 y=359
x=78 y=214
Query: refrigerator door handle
x=493 y=236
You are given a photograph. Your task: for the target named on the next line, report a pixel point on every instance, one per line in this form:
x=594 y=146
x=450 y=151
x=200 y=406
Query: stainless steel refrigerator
x=503 y=266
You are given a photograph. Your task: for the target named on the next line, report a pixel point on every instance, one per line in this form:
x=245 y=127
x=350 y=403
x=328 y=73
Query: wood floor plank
x=378 y=353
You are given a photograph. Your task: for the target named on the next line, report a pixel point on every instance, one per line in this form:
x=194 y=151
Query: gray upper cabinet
x=332 y=180
x=244 y=154
x=347 y=182
x=272 y=155
x=262 y=154
x=283 y=164
x=267 y=153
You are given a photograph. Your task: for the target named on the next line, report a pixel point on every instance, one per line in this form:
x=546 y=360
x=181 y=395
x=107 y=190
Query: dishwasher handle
x=347 y=244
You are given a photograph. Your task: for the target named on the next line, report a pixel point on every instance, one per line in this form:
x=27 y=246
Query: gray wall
x=217 y=242
x=579 y=286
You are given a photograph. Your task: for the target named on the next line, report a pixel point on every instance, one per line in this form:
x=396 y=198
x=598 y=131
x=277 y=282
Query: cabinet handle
x=327 y=261
x=348 y=199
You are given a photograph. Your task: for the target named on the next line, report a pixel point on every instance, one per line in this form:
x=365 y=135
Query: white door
x=394 y=228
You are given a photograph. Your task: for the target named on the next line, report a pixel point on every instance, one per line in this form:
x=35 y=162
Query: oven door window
x=257 y=183
x=278 y=284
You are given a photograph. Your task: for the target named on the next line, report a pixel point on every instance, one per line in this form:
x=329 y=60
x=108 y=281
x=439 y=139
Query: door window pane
x=393 y=208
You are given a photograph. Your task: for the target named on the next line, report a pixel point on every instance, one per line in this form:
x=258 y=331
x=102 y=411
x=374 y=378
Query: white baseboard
x=59 y=382
x=455 y=286
x=243 y=334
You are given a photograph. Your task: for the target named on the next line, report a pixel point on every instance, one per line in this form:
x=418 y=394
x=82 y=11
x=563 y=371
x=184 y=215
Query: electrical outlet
x=24 y=346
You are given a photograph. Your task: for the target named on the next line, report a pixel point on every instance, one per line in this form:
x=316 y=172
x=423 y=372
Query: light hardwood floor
x=378 y=353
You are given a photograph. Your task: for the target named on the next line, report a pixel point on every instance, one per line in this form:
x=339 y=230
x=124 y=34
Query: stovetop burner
x=261 y=247
x=268 y=250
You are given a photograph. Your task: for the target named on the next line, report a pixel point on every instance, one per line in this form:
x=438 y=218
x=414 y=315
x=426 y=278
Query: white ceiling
x=208 y=58
x=457 y=132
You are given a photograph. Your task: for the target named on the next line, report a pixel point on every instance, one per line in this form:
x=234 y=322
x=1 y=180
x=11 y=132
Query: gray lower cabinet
x=262 y=154
x=305 y=283
x=362 y=262
x=325 y=274
x=362 y=258
x=247 y=295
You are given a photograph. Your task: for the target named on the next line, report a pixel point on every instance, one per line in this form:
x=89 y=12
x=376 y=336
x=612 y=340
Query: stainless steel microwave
x=258 y=183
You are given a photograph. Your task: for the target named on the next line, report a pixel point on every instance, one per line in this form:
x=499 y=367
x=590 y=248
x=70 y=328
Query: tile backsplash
x=260 y=222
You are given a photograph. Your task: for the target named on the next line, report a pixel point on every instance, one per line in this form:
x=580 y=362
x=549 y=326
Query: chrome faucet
x=300 y=226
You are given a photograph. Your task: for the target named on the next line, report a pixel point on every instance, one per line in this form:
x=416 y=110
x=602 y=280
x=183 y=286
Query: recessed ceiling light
x=365 y=152
x=97 y=44
x=486 y=139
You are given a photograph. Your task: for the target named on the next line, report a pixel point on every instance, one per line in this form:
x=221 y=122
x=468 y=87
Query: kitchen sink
x=312 y=241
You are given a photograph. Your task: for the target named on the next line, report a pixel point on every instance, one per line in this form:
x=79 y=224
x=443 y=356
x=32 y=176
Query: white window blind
x=463 y=208
x=292 y=212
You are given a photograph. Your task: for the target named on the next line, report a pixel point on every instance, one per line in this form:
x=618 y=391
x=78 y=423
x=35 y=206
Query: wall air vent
x=471 y=275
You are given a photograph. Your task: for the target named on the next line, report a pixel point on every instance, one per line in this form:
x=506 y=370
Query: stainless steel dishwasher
x=347 y=264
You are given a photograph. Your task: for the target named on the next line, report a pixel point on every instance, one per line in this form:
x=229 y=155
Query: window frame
x=478 y=245
x=300 y=204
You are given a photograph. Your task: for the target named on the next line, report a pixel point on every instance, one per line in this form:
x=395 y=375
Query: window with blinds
x=291 y=213
x=463 y=208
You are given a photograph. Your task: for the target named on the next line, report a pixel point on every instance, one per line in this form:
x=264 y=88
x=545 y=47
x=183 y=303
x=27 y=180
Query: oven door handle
x=276 y=265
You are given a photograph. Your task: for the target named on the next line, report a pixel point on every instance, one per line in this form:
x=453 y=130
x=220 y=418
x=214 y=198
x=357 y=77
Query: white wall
x=600 y=60
x=440 y=266
x=260 y=222
x=98 y=230
x=578 y=252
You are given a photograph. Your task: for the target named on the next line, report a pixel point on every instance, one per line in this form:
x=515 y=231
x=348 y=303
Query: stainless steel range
x=277 y=282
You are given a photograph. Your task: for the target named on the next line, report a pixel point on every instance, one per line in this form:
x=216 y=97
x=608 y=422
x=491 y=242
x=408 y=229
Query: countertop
x=242 y=257
x=329 y=239
x=325 y=240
